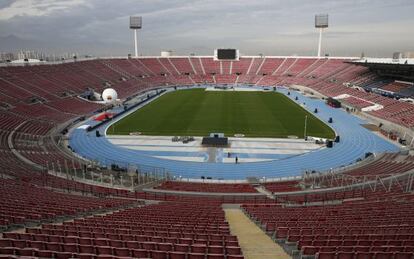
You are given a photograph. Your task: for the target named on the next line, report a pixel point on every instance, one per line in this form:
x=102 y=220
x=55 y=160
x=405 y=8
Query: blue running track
x=355 y=142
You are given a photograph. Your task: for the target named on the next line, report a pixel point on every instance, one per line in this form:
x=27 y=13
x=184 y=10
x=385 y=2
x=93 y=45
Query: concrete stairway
x=266 y=192
x=254 y=243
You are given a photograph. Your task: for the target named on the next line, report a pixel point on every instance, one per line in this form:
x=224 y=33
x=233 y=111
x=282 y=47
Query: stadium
x=221 y=156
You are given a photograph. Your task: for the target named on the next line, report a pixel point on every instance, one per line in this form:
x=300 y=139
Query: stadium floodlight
x=321 y=22
x=135 y=23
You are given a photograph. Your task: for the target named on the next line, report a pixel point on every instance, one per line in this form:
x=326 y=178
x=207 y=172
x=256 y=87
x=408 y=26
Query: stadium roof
x=401 y=61
x=400 y=69
x=23 y=61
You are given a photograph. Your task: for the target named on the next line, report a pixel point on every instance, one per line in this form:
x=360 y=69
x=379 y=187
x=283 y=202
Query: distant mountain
x=12 y=43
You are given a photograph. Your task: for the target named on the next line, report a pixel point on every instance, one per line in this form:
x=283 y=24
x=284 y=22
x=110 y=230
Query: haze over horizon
x=271 y=27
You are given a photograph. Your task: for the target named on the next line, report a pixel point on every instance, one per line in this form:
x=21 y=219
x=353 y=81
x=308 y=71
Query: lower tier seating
x=22 y=202
x=166 y=230
x=377 y=226
x=206 y=187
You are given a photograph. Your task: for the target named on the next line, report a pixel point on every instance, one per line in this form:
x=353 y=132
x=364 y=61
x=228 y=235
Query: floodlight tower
x=321 y=22
x=135 y=23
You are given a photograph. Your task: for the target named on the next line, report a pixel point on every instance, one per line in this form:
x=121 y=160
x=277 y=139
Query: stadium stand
x=357 y=103
x=377 y=226
x=284 y=186
x=241 y=66
x=22 y=202
x=328 y=76
x=182 y=65
x=340 y=222
x=210 y=66
x=174 y=229
x=395 y=87
x=325 y=75
x=387 y=165
x=206 y=187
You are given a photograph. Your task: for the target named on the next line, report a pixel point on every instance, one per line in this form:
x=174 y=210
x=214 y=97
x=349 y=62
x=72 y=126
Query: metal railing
x=110 y=174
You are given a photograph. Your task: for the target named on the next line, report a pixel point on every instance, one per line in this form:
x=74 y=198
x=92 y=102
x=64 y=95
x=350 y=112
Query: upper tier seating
x=49 y=81
x=395 y=87
x=52 y=82
x=357 y=103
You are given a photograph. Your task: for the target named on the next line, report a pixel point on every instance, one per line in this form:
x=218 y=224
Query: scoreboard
x=226 y=54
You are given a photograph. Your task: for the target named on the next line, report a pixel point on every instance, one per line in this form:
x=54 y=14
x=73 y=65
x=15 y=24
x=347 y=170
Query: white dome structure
x=109 y=95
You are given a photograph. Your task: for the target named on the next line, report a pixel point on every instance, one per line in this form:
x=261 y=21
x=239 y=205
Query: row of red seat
x=22 y=202
x=387 y=165
x=166 y=230
x=206 y=187
x=129 y=76
x=118 y=245
x=106 y=253
x=395 y=87
x=380 y=222
x=283 y=186
x=126 y=76
x=364 y=255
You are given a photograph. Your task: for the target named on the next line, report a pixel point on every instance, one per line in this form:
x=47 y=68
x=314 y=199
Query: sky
x=270 y=27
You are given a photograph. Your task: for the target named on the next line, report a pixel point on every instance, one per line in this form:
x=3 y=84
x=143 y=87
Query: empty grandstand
x=221 y=156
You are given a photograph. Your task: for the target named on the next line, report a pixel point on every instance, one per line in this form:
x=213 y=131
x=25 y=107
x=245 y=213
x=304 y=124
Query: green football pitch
x=197 y=112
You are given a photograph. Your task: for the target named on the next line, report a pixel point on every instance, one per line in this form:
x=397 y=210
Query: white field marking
x=151 y=141
x=183 y=158
x=245 y=160
x=252 y=150
x=166 y=149
x=269 y=139
x=249 y=150
x=276 y=145
x=235 y=142
x=237 y=145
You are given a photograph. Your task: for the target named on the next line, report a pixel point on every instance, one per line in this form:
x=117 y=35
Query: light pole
x=135 y=23
x=306 y=121
x=321 y=22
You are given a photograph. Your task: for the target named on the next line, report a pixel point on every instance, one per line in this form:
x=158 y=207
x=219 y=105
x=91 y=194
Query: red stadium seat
x=233 y=250
x=181 y=247
x=384 y=255
x=364 y=255
x=139 y=253
x=345 y=255
x=63 y=255
x=177 y=255
x=325 y=255
x=400 y=255
x=196 y=256
x=121 y=252
x=216 y=256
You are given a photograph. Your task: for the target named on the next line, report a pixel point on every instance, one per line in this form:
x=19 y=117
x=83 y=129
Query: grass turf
x=197 y=112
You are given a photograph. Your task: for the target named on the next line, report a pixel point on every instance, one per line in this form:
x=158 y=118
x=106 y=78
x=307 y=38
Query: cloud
x=5 y=3
x=29 y=8
x=273 y=27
